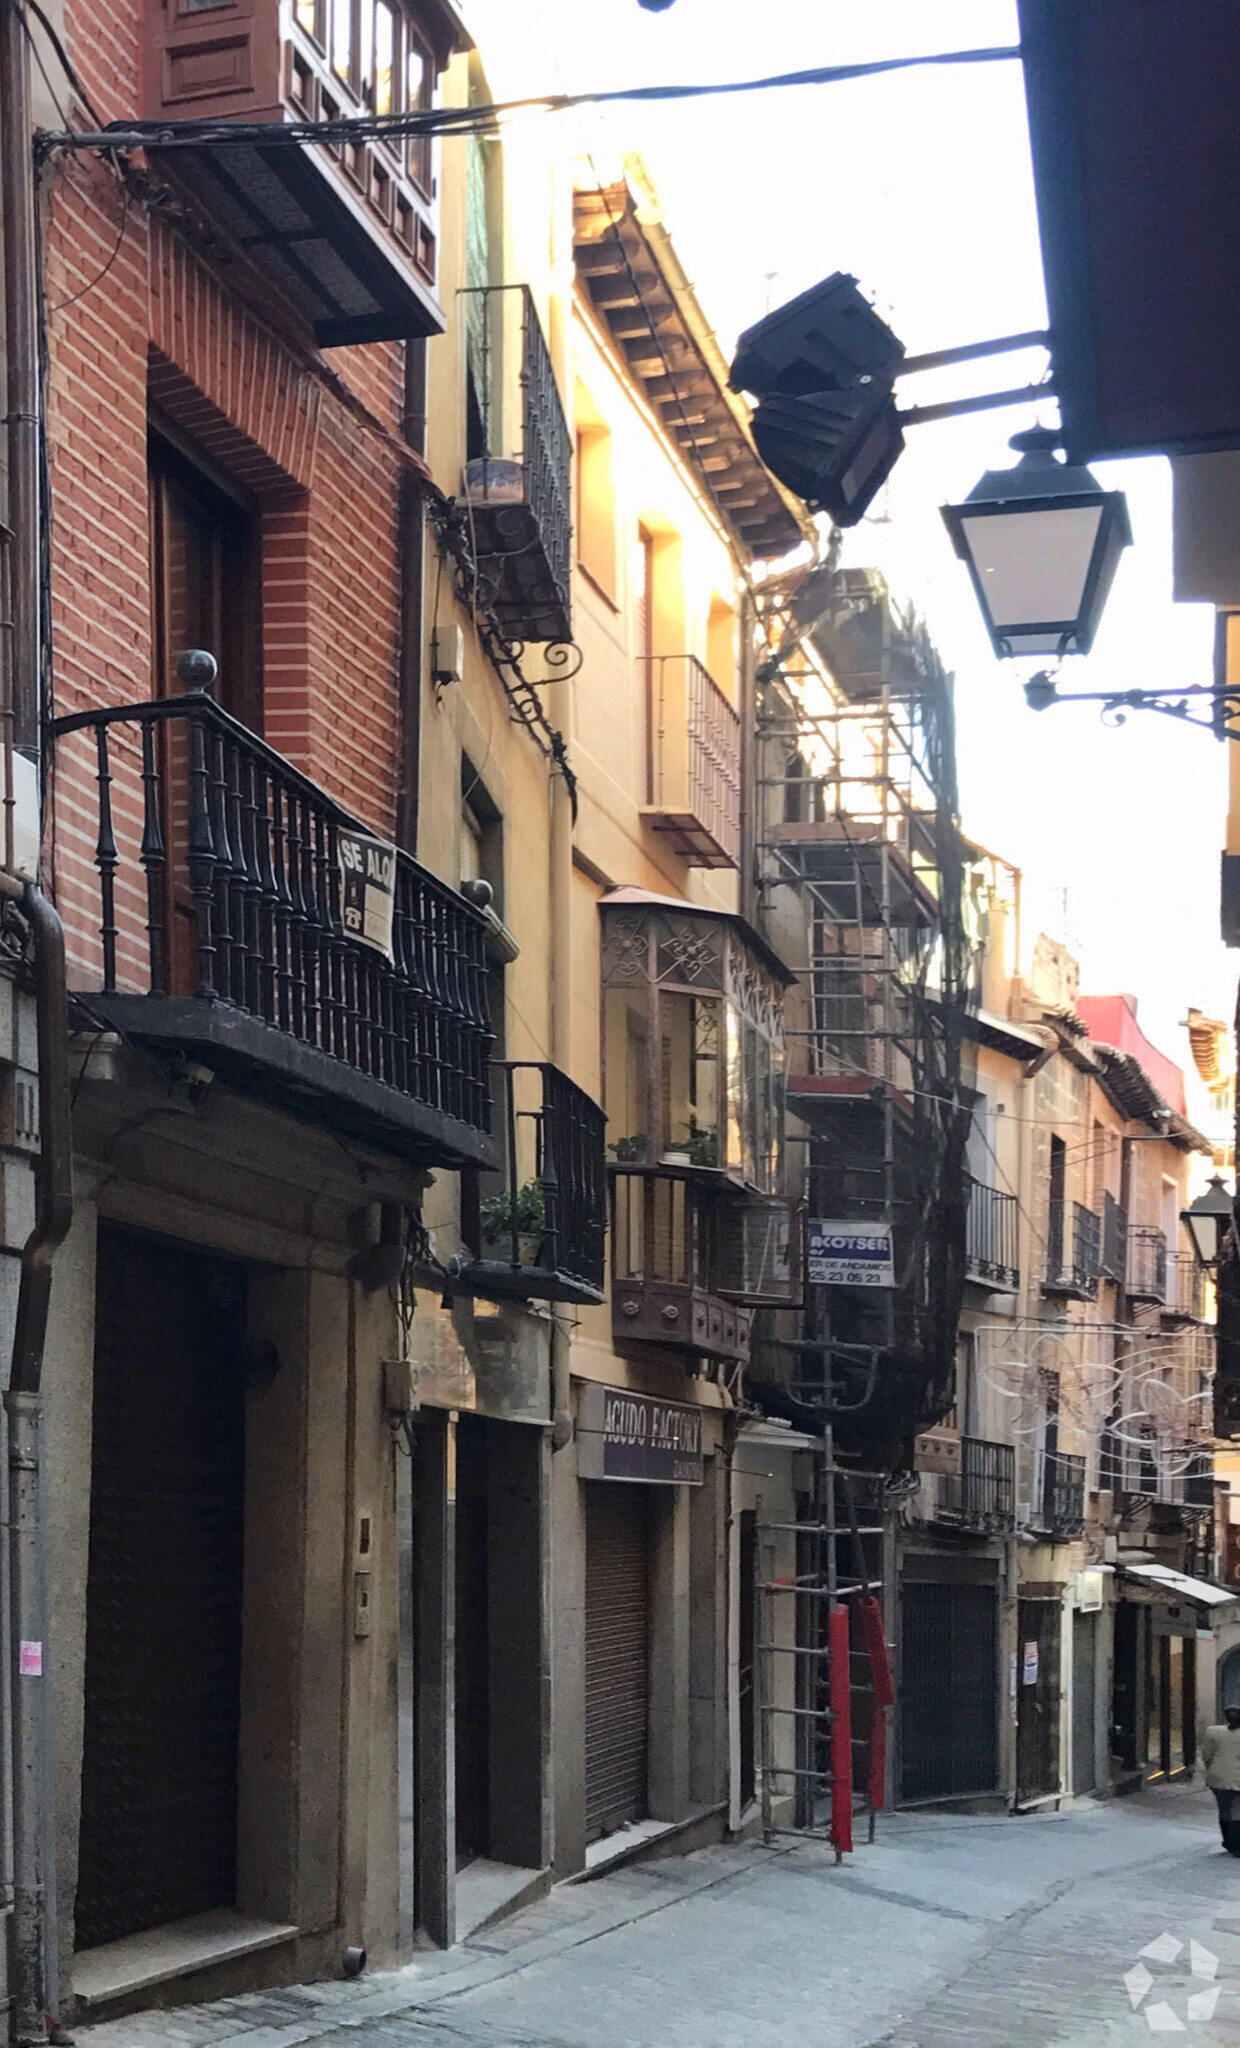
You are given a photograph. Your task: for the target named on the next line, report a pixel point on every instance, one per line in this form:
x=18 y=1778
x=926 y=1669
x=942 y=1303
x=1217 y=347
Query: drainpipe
x=412 y=602
x=17 y=203
x=561 y=919
x=32 y=1934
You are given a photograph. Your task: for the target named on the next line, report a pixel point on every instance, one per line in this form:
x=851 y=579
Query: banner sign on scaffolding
x=843 y=1254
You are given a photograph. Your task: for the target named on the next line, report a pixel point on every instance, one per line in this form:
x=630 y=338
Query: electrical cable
x=485 y=120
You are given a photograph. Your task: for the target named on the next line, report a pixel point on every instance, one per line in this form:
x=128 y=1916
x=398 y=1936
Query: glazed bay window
x=693 y=1041
x=346 y=232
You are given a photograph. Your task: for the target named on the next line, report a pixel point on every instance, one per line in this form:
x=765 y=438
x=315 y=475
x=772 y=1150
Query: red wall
x=311 y=437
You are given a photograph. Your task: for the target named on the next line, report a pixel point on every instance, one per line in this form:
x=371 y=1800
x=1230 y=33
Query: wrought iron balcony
x=1186 y=1298
x=694 y=770
x=540 y=1232
x=1146 y=1279
x=982 y=1495
x=1062 y=1506
x=344 y=233
x=992 y=1252
x=217 y=928
x=1073 y=1251
x=667 y=1267
x=516 y=496
x=1114 y=1240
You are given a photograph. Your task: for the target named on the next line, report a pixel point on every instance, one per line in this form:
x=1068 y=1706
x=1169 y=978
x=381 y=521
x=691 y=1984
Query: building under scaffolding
x=858 y=875
x=860 y=882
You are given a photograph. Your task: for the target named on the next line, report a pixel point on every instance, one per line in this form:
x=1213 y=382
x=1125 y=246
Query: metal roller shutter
x=617 y=1654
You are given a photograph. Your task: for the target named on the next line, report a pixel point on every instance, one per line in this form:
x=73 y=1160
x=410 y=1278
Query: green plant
x=525 y=1212
x=701 y=1143
x=631 y=1151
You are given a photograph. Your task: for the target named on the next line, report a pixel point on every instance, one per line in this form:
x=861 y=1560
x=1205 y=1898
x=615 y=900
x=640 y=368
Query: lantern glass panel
x=1033 y=570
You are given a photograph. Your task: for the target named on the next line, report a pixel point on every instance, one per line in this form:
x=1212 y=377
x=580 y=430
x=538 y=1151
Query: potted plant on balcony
x=701 y=1144
x=631 y=1151
x=525 y=1212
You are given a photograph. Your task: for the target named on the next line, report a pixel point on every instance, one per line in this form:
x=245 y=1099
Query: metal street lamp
x=1042 y=542
x=1207 y=1222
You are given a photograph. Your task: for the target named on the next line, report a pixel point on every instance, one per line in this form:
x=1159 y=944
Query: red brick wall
x=162 y=326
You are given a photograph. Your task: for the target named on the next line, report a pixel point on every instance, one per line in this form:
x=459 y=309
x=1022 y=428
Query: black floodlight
x=828 y=339
x=835 y=449
x=1207 y=1222
x=1042 y=542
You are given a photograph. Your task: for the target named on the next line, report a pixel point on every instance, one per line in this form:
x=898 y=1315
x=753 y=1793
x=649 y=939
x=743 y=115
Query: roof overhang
x=1172 y=1585
x=1136 y=154
x=633 y=281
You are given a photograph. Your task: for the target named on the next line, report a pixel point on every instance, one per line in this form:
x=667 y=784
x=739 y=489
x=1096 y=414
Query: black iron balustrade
x=1073 y=1250
x=982 y=1495
x=1114 y=1240
x=992 y=1250
x=518 y=497
x=1063 y=1494
x=542 y=1235
x=1147 y=1264
x=245 y=952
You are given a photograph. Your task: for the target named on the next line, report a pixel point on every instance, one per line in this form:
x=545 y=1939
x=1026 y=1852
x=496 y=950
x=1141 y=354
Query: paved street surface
x=948 y=1933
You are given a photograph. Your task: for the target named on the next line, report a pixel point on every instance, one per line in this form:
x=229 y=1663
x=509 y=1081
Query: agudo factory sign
x=634 y=1436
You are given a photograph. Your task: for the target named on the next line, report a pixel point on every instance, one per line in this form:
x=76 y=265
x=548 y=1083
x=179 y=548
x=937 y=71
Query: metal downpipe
x=32 y=1966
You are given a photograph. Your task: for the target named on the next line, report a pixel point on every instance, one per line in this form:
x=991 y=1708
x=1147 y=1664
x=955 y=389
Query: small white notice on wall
x=1029 y=1665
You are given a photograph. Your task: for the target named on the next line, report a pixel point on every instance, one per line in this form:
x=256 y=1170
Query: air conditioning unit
x=761 y=1252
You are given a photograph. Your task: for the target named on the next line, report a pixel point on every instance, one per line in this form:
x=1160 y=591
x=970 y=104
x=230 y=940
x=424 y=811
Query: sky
x=920 y=185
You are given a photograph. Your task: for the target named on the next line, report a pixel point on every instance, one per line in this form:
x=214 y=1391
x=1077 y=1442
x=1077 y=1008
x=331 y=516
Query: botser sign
x=635 y=1436
x=847 y=1254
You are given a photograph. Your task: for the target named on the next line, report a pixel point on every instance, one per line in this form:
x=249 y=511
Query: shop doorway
x=164 y=1588
x=949 y=1698
x=1037 y=1701
x=497 y=1652
x=617 y=1655
x=1084 y=1683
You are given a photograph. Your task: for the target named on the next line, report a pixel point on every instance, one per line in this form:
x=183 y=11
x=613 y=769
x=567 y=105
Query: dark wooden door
x=1037 y=1700
x=617 y=1654
x=472 y=1652
x=1084 y=1682
x=163 y=1596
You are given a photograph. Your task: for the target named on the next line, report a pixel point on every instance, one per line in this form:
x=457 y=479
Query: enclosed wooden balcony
x=694 y=766
x=345 y=233
x=667 y=1268
x=226 y=924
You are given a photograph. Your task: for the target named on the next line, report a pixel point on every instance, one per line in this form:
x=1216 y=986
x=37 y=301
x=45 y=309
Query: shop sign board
x=621 y=1435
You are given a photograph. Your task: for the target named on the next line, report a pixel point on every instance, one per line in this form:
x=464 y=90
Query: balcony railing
x=1186 y=1296
x=694 y=771
x=345 y=233
x=666 y=1267
x=516 y=493
x=1063 y=1495
x=992 y=1244
x=982 y=1495
x=1114 y=1240
x=1147 y=1264
x=219 y=927
x=540 y=1233
x=1073 y=1250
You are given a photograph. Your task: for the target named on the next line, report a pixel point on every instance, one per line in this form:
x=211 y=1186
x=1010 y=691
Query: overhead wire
x=486 y=119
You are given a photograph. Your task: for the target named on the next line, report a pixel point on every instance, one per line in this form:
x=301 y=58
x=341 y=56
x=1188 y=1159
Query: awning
x=1178 y=1585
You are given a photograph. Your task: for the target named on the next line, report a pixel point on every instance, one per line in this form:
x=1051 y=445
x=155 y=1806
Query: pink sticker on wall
x=31 y=1660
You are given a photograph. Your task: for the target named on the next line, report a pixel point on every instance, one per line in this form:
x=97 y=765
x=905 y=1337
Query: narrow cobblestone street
x=947 y=1931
